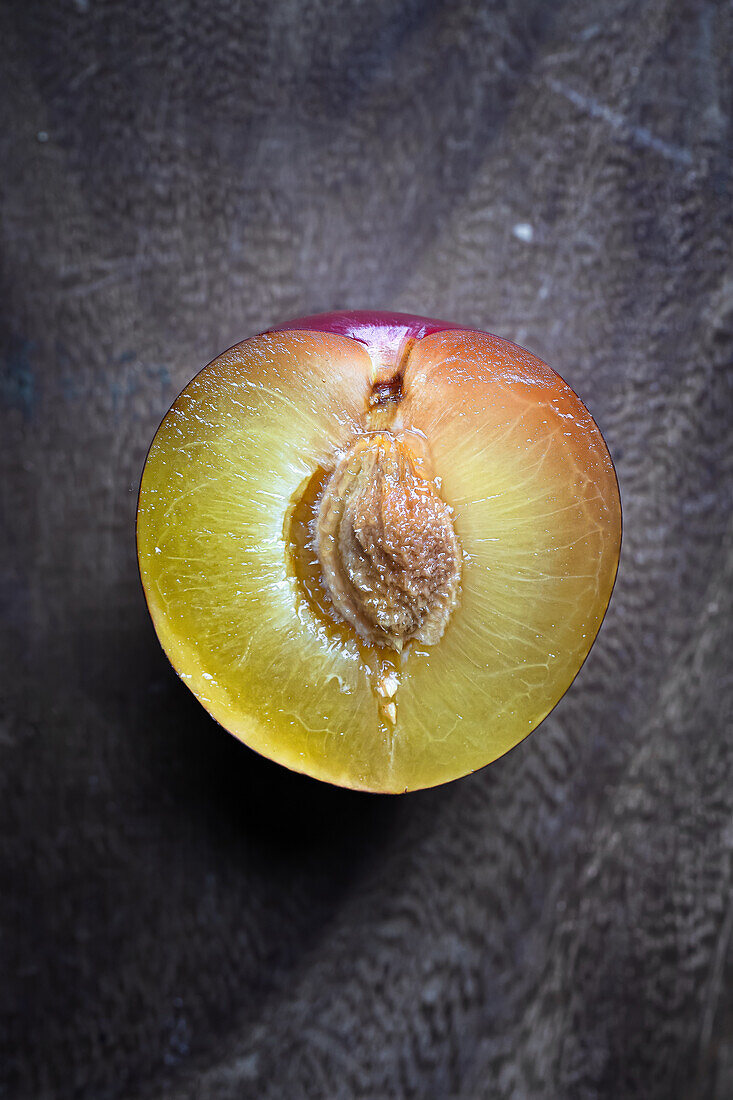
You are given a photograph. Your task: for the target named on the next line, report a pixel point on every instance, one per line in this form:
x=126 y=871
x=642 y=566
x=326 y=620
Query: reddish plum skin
x=375 y=328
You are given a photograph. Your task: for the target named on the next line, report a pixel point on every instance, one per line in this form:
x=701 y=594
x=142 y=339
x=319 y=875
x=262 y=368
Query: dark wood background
x=182 y=919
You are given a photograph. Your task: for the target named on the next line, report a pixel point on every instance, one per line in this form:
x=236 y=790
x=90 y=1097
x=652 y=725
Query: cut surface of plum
x=378 y=548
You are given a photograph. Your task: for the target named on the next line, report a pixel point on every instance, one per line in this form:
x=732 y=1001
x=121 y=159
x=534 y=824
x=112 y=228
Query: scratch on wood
x=640 y=134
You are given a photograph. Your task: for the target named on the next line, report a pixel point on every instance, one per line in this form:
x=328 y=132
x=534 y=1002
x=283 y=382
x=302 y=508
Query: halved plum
x=378 y=548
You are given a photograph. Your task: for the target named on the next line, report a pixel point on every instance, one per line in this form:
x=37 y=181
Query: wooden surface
x=180 y=918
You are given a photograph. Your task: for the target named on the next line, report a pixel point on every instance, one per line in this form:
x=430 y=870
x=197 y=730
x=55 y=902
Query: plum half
x=378 y=548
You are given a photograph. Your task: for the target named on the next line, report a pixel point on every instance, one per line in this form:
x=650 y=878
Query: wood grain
x=180 y=918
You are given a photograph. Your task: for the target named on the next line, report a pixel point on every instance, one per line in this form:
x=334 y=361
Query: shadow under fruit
x=378 y=548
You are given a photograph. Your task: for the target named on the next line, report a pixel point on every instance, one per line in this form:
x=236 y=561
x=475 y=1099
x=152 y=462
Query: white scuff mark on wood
x=523 y=231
